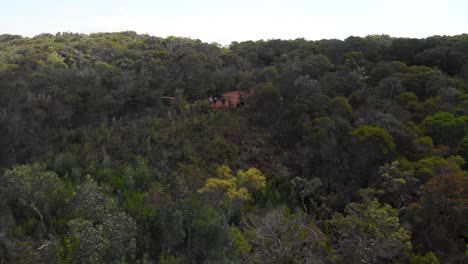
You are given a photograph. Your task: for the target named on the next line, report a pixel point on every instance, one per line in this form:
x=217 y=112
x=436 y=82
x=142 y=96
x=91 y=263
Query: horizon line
x=224 y=44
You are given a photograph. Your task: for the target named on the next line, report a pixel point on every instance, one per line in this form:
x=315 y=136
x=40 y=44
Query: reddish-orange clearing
x=235 y=96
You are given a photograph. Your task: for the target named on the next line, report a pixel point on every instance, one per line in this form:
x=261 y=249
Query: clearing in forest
x=235 y=99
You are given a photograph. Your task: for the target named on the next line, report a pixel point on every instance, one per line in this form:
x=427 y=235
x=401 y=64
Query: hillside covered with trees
x=353 y=151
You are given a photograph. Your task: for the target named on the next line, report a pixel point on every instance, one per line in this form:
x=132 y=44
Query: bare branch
x=40 y=216
x=45 y=245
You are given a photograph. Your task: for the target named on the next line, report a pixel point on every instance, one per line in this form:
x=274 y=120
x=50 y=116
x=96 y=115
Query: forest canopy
x=349 y=151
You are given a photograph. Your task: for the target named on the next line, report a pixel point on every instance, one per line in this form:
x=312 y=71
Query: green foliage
x=462 y=148
x=279 y=236
x=406 y=97
x=240 y=245
x=376 y=135
x=55 y=60
x=445 y=128
x=395 y=184
x=33 y=184
x=423 y=145
x=171 y=260
x=444 y=194
x=137 y=204
x=340 y=105
x=37 y=192
x=318 y=129
x=371 y=233
x=428 y=167
x=385 y=69
x=269 y=73
x=68 y=247
x=316 y=65
x=353 y=60
x=268 y=102
x=429 y=258
x=97 y=229
x=416 y=78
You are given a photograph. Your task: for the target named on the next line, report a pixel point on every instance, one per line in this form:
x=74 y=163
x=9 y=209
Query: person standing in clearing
x=242 y=101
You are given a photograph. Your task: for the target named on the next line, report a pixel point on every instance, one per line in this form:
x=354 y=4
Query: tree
x=340 y=106
x=306 y=190
x=282 y=237
x=397 y=186
x=444 y=128
x=370 y=233
x=389 y=87
x=304 y=86
x=232 y=188
x=375 y=135
x=98 y=230
x=37 y=190
x=462 y=148
x=423 y=145
x=30 y=203
x=383 y=70
x=354 y=61
x=229 y=193
x=437 y=57
x=415 y=79
x=322 y=154
x=315 y=65
x=268 y=104
x=439 y=217
x=429 y=167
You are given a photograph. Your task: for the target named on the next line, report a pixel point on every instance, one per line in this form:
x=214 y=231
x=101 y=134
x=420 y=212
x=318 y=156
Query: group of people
x=240 y=101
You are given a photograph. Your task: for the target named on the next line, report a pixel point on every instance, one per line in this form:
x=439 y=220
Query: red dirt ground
x=248 y=95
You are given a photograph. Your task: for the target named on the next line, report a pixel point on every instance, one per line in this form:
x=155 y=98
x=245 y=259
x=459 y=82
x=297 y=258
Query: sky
x=224 y=21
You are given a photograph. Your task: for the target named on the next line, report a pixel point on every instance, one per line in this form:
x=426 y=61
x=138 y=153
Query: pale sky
x=238 y=20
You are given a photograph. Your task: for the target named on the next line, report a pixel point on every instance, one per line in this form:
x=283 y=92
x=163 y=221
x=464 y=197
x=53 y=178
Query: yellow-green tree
x=229 y=192
x=229 y=188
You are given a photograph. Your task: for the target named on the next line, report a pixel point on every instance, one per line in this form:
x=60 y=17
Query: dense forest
x=352 y=151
